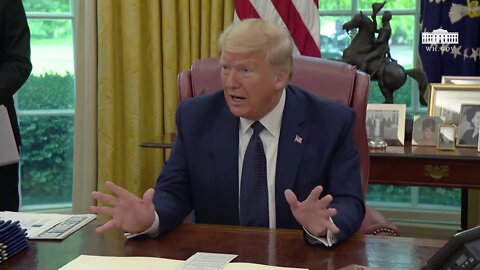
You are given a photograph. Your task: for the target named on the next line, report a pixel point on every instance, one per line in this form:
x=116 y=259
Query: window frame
x=63 y=207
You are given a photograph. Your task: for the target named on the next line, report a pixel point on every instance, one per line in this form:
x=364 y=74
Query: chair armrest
x=375 y=223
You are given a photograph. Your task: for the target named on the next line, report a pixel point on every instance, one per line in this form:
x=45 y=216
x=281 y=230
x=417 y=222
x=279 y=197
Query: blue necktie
x=253 y=190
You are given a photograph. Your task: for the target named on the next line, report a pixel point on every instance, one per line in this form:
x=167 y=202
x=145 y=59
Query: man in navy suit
x=312 y=165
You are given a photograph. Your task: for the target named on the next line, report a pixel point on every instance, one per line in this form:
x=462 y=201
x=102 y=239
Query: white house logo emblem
x=439 y=36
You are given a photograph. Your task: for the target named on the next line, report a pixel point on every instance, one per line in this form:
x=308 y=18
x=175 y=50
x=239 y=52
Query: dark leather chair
x=327 y=78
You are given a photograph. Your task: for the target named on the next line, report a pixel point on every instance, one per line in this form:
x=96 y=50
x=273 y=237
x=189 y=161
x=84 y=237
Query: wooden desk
x=166 y=142
x=425 y=166
x=410 y=165
x=274 y=247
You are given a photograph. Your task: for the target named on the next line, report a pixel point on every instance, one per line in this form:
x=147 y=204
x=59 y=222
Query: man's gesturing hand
x=129 y=212
x=313 y=213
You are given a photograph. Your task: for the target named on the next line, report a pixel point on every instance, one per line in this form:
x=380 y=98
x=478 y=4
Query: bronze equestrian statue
x=372 y=55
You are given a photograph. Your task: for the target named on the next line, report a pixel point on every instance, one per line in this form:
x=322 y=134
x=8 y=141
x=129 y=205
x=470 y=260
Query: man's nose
x=230 y=79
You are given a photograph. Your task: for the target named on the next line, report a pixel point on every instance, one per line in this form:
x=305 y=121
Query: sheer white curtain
x=85 y=145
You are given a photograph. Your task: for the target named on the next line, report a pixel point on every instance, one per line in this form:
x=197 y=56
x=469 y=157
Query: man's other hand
x=313 y=213
x=129 y=212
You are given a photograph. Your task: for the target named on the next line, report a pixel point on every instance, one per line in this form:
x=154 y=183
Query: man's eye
x=225 y=68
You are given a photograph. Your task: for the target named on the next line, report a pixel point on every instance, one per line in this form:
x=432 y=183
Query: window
x=45 y=105
x=403 y=47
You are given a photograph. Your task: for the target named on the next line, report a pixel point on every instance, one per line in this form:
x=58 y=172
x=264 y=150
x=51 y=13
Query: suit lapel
x=225 y=157
x=292 y=142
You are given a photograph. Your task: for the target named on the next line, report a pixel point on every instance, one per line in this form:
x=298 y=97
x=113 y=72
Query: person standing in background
x=15 y=68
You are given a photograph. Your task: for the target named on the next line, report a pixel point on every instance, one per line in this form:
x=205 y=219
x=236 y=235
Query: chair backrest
x=326 y=78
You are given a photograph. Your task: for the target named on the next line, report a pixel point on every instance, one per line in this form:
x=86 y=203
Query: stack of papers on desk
x=12 y=239
x=48 y=226
x=87 y=262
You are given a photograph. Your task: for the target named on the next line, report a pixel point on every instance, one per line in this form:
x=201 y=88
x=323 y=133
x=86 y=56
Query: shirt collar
x=272 y=121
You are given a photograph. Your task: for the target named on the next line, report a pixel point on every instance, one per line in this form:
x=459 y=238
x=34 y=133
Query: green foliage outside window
x=47 y=140
x=403 y=28
x=389 y=193
x=401 y=95
x=54 y=6
x=49 y=31
x=450 y=197
x=47 y=91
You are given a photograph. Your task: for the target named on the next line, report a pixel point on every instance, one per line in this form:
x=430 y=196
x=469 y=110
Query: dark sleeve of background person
x=15 y=66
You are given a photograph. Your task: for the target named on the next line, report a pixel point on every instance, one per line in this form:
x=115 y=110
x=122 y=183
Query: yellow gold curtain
x=142 y=45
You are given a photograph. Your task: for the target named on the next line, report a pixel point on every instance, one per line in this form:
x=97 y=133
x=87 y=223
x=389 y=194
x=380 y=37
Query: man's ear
x=281 y=79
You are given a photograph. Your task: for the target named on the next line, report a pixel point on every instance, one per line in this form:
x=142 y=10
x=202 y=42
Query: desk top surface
x=405 y=151
x=409 y=151
x=274 y=247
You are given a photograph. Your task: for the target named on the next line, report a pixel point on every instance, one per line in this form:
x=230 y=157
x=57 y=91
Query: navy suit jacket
x=202 y=171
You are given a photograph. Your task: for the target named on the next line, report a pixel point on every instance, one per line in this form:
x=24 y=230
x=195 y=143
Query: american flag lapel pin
x=298 y=139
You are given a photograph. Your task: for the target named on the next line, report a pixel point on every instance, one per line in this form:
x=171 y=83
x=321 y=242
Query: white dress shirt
x=270 y=136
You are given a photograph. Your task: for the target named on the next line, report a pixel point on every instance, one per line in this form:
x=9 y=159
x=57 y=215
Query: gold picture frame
x=462 y=80
x=478 y=146
x=446 y=100
x=446 y=137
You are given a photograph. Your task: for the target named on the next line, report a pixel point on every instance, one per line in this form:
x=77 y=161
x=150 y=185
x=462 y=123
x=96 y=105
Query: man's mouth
x=238 y=98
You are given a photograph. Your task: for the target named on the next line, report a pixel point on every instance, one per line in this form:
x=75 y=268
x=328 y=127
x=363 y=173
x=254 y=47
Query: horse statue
x=372 y=55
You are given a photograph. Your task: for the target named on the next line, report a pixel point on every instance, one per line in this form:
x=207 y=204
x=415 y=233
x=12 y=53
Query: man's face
x=251 y=87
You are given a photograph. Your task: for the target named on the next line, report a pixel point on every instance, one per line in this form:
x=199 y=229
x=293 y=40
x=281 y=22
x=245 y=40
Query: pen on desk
x=5 y=224
x=20 y=234
x=10 y=222
x=13 y=242
x=16 y=232
x=15 y=245
x=7 y=232
x=19 y=245
x=14 y=237
x=14 y=249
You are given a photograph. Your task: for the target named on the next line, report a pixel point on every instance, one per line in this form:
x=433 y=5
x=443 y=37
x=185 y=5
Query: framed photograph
x=387 y=122
x=446 y=100
x=425 y=130
x=446 y=137
x=478 y=146
x=461 y=80
x=469 y=125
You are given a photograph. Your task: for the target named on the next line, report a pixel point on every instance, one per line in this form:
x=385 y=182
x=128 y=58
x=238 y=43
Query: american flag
x=454 y=16
x=299 y=16
x=298 y=139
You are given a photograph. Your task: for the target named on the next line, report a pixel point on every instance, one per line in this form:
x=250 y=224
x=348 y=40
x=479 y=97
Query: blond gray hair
x=251 y=35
